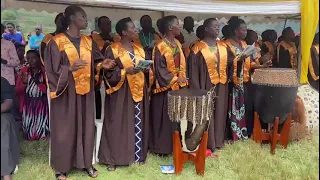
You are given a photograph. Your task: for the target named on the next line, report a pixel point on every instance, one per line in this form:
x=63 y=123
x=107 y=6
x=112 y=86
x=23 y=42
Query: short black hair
x=226 y=32
x=267 y=34
x=100 y=18
x=34 y=51
x=57 y=17
x=235 y=23
x=70 y=11
x=144 y=17
x=286 y=30
x=250 y=32
x=207 y=22
x=122 y=25
x=188 y=19
x=165 y=23
x=12 y=24
x=200 y=32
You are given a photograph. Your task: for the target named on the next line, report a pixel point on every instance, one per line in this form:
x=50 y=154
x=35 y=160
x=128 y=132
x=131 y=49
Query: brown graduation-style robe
x=72 y=101
x=207 y=70
x=117 y=145
x=102 y=44
x=287 y=55
x=165 y=80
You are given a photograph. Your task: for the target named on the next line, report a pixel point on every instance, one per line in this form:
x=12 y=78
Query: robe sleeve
x=116 y=76
x=41 y=51
x=97 y=58
x=164 y=77
x=96 y=53
x=57 y=73
x=193 y=65
x=283 y=57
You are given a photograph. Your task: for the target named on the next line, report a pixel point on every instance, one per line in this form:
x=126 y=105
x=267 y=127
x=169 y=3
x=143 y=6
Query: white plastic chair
x=99 y=124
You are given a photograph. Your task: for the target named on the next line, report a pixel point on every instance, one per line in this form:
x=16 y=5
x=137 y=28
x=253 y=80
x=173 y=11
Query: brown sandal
x=92 y=172
x=61 y=176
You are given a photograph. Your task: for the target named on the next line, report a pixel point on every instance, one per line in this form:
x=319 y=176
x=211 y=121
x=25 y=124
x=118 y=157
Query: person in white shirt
x=188 y=32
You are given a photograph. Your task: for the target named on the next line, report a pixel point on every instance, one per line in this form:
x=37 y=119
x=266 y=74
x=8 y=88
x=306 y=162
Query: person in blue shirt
x=36 y=39
x=15 y=38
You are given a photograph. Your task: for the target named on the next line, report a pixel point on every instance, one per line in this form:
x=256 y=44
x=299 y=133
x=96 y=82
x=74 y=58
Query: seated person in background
x=36 y=39
x=32 y=90
x=10 y=151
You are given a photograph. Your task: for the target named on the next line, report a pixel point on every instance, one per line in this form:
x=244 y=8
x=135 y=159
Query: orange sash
x=291 y=48
x=257 y=45
x=98 y=39
x=311 y=69
x=135 y=81
x=211 y=60
x=246 y=67
x=270 y=47
x=187 y=50
x=82 y=77
x=166 y=51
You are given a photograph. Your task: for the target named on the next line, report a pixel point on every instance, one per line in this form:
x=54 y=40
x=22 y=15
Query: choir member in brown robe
x=268 y=46
x=208 y=68
x=69 y=63
x=148 y=37
x=226 y=32
x=103 y=40
x=287 y=51
x=169 y=75
x=158 y=26
x=125 y=131
x=241 y=91
x=313 y=75
x=59 y=29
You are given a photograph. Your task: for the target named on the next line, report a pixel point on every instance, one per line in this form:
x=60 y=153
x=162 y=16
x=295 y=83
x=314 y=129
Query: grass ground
x=242 y=160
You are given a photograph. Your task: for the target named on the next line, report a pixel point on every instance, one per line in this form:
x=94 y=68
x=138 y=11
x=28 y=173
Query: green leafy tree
x=8 y=15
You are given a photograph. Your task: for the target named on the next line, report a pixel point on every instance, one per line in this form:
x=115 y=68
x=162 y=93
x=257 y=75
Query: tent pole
x=285 y=22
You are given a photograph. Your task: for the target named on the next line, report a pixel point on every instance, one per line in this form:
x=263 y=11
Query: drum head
x=189 y=92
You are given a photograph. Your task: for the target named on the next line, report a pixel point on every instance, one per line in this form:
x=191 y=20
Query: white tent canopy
x=192 y=6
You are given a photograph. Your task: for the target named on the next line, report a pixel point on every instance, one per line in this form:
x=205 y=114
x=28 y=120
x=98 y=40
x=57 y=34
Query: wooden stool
x=272 y=136
x=198 y=157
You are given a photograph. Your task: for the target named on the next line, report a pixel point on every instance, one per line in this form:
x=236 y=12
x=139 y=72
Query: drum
x=276 y=91
x=191 y=109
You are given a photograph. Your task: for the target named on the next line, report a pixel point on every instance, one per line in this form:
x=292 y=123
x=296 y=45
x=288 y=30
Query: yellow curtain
x=309 y=23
